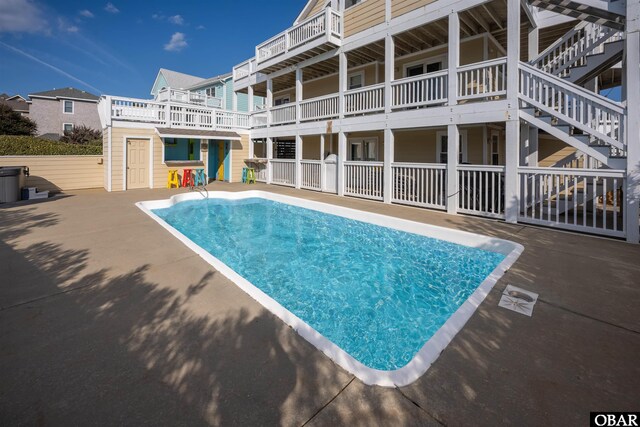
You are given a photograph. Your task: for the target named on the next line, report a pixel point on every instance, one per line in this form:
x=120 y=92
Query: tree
x=82 y=135
x=13 y=123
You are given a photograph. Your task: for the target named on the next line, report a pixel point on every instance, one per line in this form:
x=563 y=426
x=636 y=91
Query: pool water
x=377 y=293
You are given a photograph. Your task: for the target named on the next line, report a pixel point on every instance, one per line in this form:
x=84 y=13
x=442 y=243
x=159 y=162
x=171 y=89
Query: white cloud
x=86 y=13
x=157 y=16
x=21 y=16
x=66 y=27
x=177 y=43
x=200 y=27
x=72 y=29
x=111 y=8
x=177 y=19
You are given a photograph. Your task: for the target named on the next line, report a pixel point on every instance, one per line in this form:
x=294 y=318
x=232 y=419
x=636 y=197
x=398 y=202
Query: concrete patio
x=105 y=318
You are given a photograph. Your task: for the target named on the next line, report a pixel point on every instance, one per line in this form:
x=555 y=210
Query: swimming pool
x=381 y=296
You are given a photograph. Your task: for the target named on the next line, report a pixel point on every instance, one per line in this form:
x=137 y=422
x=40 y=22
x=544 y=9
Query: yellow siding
x=419 y=146
x=105 y=150
x=400 y=7
x=363 y=16
x=311 y=147
x=239 y=153
x=117 y=156
x=317 y=8
x=59 y=173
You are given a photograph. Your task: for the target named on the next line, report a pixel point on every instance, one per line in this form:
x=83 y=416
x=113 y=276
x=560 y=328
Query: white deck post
x=234 y=101
x=453 y=59
x=632 y=130
x=269 y=158
x=250 y=105
x=342 y=82
x=453 y=148
x=512 y=141
x=298 y=159
x=269 y=100
x=533 y=41
x=389 y=71
x=298 y=93
x=323 y=177
x=342 y=155
x=387 y=175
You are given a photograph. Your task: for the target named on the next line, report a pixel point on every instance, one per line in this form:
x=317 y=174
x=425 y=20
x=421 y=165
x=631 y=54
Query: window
x=418 y=68
x=68 y=107
x=495 y=147
x=281 y=101
x=414 y=70
x=67 y=127
x=181 y=149
x=363 y=149
x=356 y=80
x=443 y=147
x=349 y=3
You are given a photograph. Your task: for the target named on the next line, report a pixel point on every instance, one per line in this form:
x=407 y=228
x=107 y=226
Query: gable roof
x=16 y=104
x=9 y=98
x=210 y=81
x=66 y=93
x=178 y=80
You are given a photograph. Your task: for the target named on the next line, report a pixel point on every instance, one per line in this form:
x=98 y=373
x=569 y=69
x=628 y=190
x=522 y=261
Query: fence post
x=453 y=148
x=387 y=174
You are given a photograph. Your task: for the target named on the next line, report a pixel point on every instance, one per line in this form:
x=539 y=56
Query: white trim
x=429 y=352
x=494 y=132
x=361 y=139
x=463 y=146
x=230 y=160
x=215 y=138
x=124 y=157
x=64 y=124
x=151 y=162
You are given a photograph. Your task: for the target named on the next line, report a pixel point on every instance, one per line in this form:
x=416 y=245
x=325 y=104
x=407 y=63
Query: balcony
x=188 y=97
x=320 y=33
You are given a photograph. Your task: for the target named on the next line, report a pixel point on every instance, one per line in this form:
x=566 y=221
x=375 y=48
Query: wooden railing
x=311 y=174
x=574 y=199
x=367 y=99
x=283 y=114
x=422 y=90
x=419 y=184
x=363 y=179
x=573 y=105
x=487 y=79
x=481 y=190
x=283 y=172
x=321 y=107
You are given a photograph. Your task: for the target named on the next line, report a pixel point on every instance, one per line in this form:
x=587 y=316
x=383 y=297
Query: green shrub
x=82 y=135
x=32 y=146
x=13 y=123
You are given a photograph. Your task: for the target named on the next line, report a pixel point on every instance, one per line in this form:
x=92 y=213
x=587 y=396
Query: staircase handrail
x=558 y=42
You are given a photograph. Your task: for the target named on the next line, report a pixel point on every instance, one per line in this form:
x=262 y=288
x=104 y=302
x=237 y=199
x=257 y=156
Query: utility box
x=11 y=181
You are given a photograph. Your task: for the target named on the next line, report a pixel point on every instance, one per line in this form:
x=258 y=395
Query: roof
x=15 y=104
x=210 y=80
x=66 y=93
x=178 y=80
x=188 y=133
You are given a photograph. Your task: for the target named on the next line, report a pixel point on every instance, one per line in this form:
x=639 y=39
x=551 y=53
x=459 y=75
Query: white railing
x=283 y=172
x=311 y=29
x=367 y=99
x=242 y=70
x=260 y=168
x=232 y=119
x=191 y=117
x=485 y=79
x=259 y=119
x=137 y=110
x=425 y=89
x=481 y=190
x=363 y=179
x=321 y=107
x=419 y=184
x=572 y=49
x=188 y=97
x=283 y=114
x=575 y=199
x=574 y=105
x=311 y=174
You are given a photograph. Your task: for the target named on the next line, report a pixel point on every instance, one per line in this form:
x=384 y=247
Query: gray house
x=55 y=111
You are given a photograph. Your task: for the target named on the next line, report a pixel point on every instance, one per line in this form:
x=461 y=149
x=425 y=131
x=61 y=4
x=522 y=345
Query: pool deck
x=105 y=318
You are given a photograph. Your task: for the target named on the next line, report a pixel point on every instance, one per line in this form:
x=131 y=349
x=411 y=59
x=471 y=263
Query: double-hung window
x=67 y=106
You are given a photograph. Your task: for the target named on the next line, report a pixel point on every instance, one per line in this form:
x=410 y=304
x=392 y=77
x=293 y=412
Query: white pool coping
x=429 y=351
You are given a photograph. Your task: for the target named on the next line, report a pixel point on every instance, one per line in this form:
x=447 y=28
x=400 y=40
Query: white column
x=298 y=159
x=533 y=35
x=632 y=131
x=269 y=157
x=234 y=102
x=389 y=71
x=323 y=175
x=298 y=92
x=513 y=50
x=252 y=148
x=250 y=105
x=533 y=147
x=389 y=144
x=454 y=58
x=342 y=156
x=269 y=100
x=453 y=148
x=512 y=143
x=342 y=81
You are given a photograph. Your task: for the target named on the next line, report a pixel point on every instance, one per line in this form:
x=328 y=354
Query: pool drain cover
x=518 y=300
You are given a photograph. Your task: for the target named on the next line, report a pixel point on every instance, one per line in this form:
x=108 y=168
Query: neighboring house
x=486 y=108
x=16 y=103
x=55 y=111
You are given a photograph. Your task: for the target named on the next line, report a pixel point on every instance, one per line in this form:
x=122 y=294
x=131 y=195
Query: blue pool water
x=377 y=293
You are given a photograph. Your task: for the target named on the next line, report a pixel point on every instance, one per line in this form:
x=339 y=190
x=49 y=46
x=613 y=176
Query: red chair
x=187 y=178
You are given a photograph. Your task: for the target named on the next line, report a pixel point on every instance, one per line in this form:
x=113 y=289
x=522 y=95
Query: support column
x=342 y=82
x=453 y=148
x=453 y=59
x=298 y=160
x=513 y=51
x=269 y=158
x=298 y=93
x=234 y=101
x=533 y=42
x=269 y=100
x=387 y=175
x=323 y=175
x=250 y=105
x=389 y=70
x=632 y=130
x=342 y=156
x=512 y=144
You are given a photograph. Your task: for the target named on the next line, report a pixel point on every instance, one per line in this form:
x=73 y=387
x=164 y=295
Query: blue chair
x=200 y=177
x=244 y=174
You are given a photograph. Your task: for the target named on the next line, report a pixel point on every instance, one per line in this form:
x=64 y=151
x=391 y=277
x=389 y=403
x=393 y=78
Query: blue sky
x=117 y=47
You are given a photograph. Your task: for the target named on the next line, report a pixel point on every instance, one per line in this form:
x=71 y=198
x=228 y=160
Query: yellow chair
x=251 y=176
x=173 y=179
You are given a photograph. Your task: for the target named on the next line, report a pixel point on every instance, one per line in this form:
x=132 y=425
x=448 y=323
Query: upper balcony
x=320 y=33
x=188 y=97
